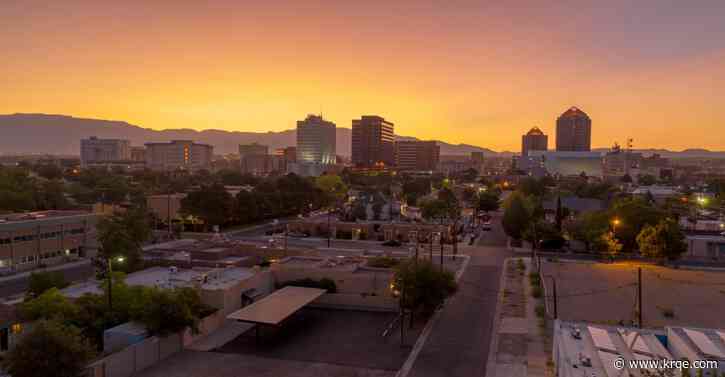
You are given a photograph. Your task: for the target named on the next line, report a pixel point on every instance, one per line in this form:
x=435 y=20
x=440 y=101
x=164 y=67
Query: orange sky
x=458 y=71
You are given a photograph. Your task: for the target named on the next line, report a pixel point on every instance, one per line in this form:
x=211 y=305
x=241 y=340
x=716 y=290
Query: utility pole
x=556 y=299
x=639 y=296
x=329 y=230
x=441 y=242
x=402 y=316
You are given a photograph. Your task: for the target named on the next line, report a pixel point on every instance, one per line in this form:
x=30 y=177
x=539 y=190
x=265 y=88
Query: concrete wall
x=346 y=281
x=351 y=301
x=229 y=299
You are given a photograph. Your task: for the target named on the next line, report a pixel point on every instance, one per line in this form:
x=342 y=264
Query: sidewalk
x=518 y=346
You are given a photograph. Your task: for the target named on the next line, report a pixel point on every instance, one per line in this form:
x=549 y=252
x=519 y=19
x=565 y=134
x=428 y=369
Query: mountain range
x=61 y=135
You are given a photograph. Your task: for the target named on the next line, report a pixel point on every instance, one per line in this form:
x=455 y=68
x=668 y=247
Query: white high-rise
x=316 y=141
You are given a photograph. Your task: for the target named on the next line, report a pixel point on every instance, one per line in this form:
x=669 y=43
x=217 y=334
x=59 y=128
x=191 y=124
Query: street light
x=109 y=262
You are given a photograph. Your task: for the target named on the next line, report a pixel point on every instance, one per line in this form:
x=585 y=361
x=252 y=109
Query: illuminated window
x=16 y=328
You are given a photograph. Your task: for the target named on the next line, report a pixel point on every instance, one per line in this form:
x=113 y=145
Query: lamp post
x=109 y=263
x=615 y=223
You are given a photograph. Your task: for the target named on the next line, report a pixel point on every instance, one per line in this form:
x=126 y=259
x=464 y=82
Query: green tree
x=590 y=228
x=422 y=285
x=664 y=240
x=49 y=305
x=612 y=246
x=530 y=186
x=39 y=282
x=247 y=207
x=333 y=187
x=123 y=235
x=433 y=209
x=414 y=189
x=211 y=203
x=634 y=214
x=517 y=216
x=168 y=311
x=49 y=349
x=488 y=201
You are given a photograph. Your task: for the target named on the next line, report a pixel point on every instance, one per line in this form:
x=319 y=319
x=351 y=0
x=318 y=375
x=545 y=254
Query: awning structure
x=278 y=306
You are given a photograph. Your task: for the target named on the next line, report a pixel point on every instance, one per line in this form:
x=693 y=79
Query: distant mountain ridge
x=61 y=134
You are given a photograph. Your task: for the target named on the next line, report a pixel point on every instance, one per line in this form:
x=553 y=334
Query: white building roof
x=170 y=277
x=701 y=343
x=582 y=349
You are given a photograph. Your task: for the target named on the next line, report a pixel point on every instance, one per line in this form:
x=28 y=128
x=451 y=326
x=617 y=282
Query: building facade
x=36 y=239
x=95 y=150
x=413 y=155
x=316 y=141
x=178 y=155
x=573 y=131
x=254 y=159
x=373 y=142
x=534 y=140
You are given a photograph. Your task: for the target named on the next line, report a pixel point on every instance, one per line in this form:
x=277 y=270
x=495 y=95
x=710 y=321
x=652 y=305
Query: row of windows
x=46 y=255
x=43 y=236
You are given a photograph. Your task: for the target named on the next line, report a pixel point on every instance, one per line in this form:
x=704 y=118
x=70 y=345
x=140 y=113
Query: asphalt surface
x=20 y=285
x=458 y=344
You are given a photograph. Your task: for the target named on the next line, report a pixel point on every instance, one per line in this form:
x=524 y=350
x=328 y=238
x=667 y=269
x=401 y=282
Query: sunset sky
x=476 y=72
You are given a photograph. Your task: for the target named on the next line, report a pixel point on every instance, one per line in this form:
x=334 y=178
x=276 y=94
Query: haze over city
x=472 y=73
x=413 y=188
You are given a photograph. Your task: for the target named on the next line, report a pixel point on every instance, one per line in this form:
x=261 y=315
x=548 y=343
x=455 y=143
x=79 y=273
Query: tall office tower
x=95 y=150
x=372 y=141
x=573 y=131
x=254 y=158
x=178 y=155
x=534 y=140
x=413 y=155
x=316 y=140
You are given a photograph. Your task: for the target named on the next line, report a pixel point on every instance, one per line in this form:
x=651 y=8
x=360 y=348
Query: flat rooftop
x=169 y=277
x=40 y=215
x=586 y=349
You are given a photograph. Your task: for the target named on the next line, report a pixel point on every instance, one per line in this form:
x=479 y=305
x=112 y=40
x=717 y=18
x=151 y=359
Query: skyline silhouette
x=480 y=74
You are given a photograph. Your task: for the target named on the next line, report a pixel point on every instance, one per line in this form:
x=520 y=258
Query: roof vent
x=576 y=333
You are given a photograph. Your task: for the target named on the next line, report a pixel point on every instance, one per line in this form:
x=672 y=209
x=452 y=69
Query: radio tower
x=627 y=153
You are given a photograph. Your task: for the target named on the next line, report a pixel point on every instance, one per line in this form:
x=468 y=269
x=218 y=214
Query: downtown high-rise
x=573 y=131
x=373 y=142
x=316 y=141
x=534 y=140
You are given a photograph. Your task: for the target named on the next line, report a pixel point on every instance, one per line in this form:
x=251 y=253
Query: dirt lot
x=607 y=293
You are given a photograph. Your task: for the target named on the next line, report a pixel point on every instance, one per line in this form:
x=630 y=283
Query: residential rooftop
x=586 y=349
x=171 y=277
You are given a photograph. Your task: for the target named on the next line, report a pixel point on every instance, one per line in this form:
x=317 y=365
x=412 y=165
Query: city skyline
x=474 y=74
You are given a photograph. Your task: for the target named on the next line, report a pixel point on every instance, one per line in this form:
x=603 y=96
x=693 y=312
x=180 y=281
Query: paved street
x=458 y=344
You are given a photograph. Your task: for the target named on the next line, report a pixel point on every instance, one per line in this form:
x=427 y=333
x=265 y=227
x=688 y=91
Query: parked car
x=393 y=243
x=486 y=225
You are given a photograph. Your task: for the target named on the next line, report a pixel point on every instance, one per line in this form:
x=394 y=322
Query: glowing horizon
x=474 y=74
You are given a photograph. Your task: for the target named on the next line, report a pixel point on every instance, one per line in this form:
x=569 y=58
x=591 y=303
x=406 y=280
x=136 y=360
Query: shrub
x=540 y=311
x=535 y=279
x=536 y=292
x=383 y=262
x=324 y=283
